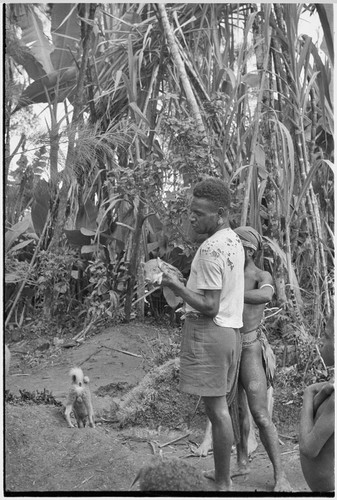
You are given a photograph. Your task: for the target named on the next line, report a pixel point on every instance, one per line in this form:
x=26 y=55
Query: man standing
x=257 y=364
x=211 y=343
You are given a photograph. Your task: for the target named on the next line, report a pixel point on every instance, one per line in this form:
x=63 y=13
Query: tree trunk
x=134 y=258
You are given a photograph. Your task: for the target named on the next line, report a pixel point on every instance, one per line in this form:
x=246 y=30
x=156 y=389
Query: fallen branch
x=135 y=438
x=293 y=438
x=91 y=355
x=153 y=448
x=287 y=452
x=84 y=331
x=122 y=351
x=174 y=440
x=194 y=455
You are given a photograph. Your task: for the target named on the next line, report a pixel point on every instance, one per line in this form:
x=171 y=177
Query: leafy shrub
x=102 y=302
x=54 y=279
x=37 y=397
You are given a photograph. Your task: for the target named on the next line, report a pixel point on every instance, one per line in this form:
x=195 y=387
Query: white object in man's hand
x=157 y=272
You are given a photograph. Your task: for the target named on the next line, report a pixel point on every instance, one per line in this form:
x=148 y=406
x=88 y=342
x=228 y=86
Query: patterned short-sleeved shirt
x=219 y=265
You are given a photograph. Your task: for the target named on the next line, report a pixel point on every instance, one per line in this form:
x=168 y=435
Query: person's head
x=251 y=240
x=210 y=205
x=327 y=350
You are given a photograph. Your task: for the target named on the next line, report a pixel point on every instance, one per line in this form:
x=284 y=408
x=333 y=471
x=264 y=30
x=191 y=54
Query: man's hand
x=314 y=389
x=320 y=392
x=172 y=281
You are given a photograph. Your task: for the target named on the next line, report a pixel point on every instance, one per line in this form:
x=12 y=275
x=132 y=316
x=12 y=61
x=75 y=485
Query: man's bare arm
x=263 y=293
x=207 y=304
x=326 y=389
x=313 y=435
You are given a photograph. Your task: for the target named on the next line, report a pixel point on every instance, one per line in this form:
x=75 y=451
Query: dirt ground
x=43 y=455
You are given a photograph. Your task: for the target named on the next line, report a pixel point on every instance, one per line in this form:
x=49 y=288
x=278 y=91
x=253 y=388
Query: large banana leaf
x=66 y=34
x=76 y=238
x=33 y=41
x=25 y=225
x=51 y=65
x=21 y=245
x=45 y=89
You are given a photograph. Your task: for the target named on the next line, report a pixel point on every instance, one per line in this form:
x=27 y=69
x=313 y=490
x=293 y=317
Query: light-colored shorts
x=209 y=357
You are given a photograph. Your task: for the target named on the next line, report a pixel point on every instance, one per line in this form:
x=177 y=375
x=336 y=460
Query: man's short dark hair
x=215 y=190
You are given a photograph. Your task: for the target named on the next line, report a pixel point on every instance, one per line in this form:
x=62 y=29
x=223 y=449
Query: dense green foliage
x=141 y=101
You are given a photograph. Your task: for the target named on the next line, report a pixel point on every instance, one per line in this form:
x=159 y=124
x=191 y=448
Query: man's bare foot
x=241 y=469
x=205 y=447
x=210 y=474
x=224 y=487
x=282 y=484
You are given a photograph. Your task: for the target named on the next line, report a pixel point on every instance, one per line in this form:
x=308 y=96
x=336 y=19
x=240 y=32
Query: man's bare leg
x=253 y=379
x=207 y=443
x=223 y=437
x=245 y=431
x=242 y=446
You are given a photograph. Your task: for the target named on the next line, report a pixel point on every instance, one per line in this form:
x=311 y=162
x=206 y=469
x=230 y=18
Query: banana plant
x=51 y=64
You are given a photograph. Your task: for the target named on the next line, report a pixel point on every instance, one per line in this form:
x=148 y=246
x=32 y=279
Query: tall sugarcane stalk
x=180 y=67
x=318 y=229
x=262 y=66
